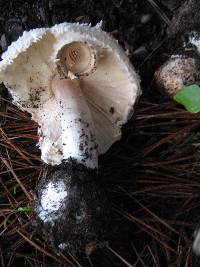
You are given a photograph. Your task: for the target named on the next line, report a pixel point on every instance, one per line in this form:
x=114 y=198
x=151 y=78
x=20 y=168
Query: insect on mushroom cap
x=107 y=79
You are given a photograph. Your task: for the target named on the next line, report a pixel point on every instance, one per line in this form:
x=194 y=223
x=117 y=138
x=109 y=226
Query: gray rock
x=3 y=42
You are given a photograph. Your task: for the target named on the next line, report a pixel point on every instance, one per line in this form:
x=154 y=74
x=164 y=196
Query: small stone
x=140 y=52
x=25 y=19
x=3 y=41
x=42 y=14
x=146 y=18
x=196 y=243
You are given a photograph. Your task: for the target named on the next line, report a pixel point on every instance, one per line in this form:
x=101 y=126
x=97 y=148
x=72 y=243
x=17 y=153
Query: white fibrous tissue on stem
x=53 y=200
x=53 y=195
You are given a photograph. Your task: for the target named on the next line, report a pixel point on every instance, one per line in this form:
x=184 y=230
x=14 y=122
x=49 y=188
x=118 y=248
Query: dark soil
x=185 y=19
x=151 y=177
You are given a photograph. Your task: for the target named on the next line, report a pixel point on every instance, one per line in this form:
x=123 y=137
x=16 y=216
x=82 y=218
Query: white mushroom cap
x=178 y=71
x=29 y=65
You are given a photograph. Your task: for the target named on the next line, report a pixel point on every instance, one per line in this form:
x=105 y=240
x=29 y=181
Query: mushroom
x=178 y=71
x=109 y=83
x=80 y=87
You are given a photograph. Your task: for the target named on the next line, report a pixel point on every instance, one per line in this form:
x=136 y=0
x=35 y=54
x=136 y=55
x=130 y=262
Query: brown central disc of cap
x=79 y=58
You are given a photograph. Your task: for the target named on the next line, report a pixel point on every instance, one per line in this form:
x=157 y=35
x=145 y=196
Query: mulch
x=151 y=177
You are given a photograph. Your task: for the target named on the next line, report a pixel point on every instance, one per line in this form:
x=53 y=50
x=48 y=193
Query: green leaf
x=24 y=209
x=189 y=97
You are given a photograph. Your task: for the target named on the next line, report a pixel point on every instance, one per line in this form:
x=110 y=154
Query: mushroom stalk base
x=78 y=137
x=71 y=211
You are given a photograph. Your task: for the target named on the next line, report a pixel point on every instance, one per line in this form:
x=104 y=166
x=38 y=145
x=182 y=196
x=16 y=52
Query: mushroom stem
x=78 y=137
